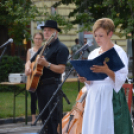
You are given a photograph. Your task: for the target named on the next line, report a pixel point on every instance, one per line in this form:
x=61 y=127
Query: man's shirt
x=56 y=53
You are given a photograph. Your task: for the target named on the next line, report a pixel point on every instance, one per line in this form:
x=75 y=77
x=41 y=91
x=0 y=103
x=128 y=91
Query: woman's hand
x=100 y=69
x=103 y=69
x=28 y=71
x=83 y=79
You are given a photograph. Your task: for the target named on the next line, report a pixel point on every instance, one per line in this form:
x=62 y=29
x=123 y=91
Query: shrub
x=9 y=64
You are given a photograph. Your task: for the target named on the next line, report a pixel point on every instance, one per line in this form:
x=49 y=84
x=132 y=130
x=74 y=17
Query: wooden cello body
x=72 y=121
x=37 y=69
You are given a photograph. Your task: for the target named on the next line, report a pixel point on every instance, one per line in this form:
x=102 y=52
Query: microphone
x=9 y=41
x=84 y=47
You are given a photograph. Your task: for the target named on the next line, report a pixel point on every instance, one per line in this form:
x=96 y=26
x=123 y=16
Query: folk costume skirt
x=122 y=121
x=106 y=112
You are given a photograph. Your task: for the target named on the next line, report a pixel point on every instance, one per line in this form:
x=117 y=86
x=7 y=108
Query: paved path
x=20 y=128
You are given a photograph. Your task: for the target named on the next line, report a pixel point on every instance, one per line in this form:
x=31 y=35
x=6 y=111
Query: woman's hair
x=39 y=34
x=105 y=23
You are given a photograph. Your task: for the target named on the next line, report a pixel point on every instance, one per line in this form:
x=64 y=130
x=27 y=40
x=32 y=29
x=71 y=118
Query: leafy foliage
x=88 y=11
x=120 y=11
x=16 y=15
x=8 y=65
x=61 y=20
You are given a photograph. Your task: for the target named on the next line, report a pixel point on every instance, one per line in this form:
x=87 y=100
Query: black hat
x=52 y=24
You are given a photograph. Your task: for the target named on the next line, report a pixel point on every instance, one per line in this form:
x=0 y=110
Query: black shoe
x=46 y=131
x=33 y=124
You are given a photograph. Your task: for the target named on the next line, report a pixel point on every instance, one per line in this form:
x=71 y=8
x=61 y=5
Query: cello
x=72 y=121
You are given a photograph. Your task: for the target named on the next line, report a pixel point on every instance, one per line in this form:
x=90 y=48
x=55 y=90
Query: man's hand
x=55 y=68
x=42 y=61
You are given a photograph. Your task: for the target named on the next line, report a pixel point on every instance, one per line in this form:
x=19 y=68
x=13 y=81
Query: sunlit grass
x=6 y=101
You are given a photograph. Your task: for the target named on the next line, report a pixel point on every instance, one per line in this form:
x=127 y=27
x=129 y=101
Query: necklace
x=101 y=51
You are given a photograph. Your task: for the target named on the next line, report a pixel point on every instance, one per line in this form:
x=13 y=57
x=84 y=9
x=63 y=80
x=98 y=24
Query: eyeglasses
x=38 y=39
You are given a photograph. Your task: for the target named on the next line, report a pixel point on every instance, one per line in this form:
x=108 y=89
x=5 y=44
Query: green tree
x=87 y=11
x=15 y=18
x=120 y=11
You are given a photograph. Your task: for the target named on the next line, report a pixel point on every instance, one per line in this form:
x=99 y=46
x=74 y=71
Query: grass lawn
x=6 y=101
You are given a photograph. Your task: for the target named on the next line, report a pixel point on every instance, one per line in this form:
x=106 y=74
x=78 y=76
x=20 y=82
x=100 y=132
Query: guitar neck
x=47 y=43
x=41 y=53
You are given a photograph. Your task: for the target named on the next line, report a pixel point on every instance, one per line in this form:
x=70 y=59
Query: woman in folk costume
x=106 y=110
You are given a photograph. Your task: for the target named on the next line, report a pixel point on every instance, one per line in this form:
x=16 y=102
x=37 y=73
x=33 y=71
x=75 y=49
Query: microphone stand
x=3 y=51
x=53 y=96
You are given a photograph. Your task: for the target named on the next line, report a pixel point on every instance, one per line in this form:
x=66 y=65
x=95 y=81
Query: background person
x=106 y=110
x=37 y=40
x=86 y=52
x=74 y=48
x=53 y=60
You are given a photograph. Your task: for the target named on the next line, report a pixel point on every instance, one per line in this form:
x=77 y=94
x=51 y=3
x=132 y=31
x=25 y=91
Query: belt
x=51 y=80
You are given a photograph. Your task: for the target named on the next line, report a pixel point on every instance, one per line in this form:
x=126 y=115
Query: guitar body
x=33 y=79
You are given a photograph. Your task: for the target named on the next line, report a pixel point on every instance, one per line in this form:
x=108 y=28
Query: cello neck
x=82 y=97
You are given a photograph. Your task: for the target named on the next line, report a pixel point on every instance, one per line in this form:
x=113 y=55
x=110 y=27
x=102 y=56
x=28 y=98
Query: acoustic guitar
x=37 y=69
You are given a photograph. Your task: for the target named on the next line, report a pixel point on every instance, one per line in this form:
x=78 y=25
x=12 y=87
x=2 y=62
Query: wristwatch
x=49 y=64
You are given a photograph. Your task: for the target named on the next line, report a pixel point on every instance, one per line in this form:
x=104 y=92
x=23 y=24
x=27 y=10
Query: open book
x=111 y=58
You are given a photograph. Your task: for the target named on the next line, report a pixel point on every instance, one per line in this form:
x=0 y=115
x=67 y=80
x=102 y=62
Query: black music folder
x=111 y=58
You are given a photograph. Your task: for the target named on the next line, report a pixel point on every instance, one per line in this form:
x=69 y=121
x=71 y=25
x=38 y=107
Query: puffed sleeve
x=121 y=75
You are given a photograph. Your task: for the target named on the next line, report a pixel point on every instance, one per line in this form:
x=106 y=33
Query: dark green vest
x=122 y=119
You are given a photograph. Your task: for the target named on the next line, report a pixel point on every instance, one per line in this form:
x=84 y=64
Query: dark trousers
x=33 y=102
x=44 y=93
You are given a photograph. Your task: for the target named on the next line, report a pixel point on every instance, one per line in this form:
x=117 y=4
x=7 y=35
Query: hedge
x=9 y=64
